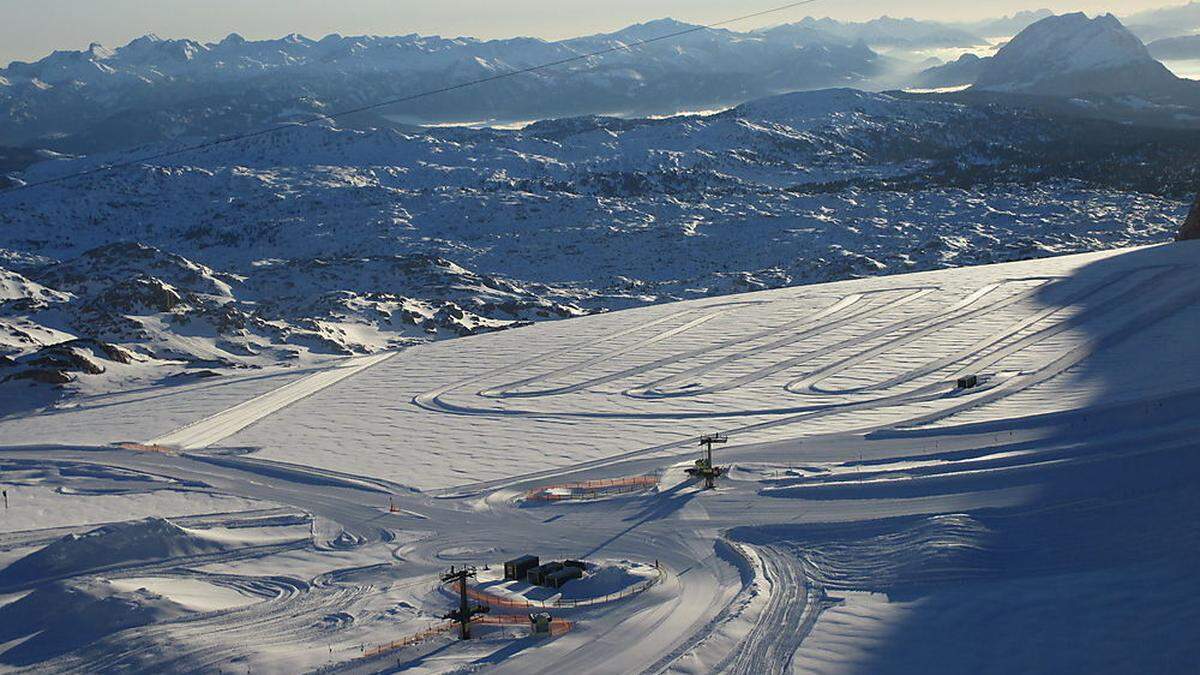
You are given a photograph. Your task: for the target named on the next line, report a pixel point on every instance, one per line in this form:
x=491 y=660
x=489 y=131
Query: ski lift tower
x=704 y=466
x=465 y=610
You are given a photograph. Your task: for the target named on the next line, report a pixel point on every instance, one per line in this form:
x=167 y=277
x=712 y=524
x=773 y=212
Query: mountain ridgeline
x=153 y=89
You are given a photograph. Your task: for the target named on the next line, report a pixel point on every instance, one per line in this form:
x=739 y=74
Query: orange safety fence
x=142 y=447
x=410 y=640
x=591 y=489
x=495 y=600
x=557 y=626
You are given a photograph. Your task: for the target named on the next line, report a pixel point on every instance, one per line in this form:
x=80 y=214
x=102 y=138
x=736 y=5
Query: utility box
x=538 y=575
x=968 y=381
x=562 y=576
x=517 y=569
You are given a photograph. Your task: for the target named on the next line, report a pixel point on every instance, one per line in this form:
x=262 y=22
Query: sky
x=30 y=30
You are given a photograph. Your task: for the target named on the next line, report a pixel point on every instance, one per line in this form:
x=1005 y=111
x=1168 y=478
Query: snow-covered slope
x=1003 y=456
x=315 y=241
x=14 y=286
x=675 y=370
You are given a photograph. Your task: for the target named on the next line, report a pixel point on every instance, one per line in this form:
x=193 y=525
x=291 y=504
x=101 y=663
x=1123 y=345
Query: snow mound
x=60 y=617
x=607 y=578
x=926 y=550
x=601 y=581
x=122 y=543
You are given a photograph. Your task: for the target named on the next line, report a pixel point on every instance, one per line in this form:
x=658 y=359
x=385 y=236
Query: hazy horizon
x=32 y=31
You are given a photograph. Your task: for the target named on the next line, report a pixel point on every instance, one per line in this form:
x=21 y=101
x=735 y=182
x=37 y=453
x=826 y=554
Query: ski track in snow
x=876 y=458
x=781 y=627
x=210 y=430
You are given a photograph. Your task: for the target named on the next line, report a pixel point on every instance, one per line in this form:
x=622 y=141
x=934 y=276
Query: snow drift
x=119 y=544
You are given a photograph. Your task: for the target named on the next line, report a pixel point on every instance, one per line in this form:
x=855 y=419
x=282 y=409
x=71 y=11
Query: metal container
x=518 y=568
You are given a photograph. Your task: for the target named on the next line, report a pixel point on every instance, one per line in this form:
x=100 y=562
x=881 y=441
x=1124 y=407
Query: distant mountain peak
x=654 y=29
x=1069 y=54
x=147 y=39
x=98 y=51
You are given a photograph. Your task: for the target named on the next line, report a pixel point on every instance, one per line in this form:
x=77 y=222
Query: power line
x=221 y=140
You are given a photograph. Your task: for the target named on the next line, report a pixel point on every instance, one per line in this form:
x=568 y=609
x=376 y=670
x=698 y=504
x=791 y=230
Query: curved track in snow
x=990 y=351
x=796 y=331
x=809 y=383
x=790 y=613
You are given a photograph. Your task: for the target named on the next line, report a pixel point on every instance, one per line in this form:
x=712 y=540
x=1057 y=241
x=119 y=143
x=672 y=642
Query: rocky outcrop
x=140 y=294
x=60 y=363
x=1191 y=226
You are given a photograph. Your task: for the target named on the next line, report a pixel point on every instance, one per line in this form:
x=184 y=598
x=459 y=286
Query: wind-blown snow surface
x=1041 y=521
x=770 y=366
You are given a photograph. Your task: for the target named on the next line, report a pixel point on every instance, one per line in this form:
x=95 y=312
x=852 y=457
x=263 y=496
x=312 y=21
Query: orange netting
x=557 y=627
x=495 y=600
x=408 y=641
x=591 y=489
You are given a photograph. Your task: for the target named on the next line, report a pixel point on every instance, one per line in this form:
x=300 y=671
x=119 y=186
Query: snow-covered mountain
x=1072 y=54
x=316 y=241
x=889 y=32
x=1074 y=66
x=154 y=89
x=1006 y=26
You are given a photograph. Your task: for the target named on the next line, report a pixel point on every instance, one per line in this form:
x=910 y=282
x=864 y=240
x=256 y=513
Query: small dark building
x=538 y=575
x=541 y=622
x=562 y=576
x=575 y=563
x=968 y=381
x=518 y=568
